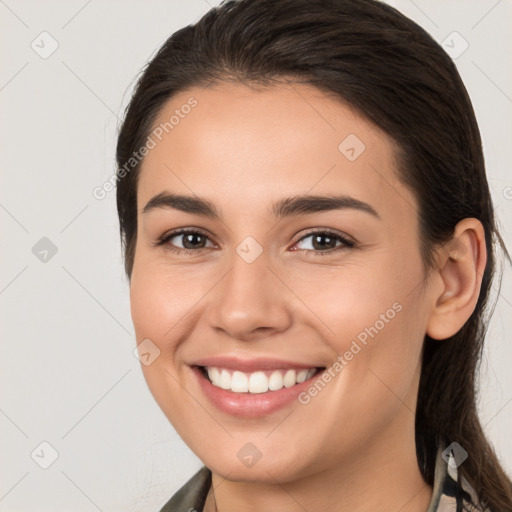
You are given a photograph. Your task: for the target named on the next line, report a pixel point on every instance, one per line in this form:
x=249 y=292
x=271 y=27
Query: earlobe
x=461 y=264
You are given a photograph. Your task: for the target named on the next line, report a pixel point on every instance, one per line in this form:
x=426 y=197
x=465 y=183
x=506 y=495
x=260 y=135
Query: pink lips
x=249 y=405
x=250 y=365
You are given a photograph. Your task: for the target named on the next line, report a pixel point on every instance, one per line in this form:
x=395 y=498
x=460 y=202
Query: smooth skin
x=242 y=148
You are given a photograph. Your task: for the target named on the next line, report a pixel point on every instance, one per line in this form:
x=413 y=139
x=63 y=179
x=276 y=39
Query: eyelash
x=346 y=242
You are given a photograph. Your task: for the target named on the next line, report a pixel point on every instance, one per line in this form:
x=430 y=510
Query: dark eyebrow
x=295 y=205
x=188 y=204
x=298 y=205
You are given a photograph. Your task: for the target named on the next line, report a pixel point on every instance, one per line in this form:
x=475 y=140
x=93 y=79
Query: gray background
x=68 y=376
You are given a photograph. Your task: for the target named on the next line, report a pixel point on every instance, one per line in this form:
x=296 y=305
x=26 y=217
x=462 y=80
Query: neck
x=384 y=476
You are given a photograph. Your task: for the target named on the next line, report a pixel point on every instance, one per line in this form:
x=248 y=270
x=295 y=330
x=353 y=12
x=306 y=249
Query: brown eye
x=188 y=241
x=192 y=240
x=323 y=241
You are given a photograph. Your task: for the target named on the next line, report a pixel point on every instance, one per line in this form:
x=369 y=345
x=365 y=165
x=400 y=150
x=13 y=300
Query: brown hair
x=392 y=71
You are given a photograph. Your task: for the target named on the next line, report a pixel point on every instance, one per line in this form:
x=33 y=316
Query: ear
x=460 y=268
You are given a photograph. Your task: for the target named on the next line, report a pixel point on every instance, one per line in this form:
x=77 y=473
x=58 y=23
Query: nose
x=250 y=302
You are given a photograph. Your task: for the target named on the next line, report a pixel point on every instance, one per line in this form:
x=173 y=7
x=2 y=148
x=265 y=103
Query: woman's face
x=279 y=280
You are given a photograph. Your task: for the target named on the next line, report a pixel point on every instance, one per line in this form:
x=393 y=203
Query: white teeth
x=302 y=376
x=289 y=379
x=239 y=382
x=213 y=373
x=257 y=382
x=276 y=381
x=224 y=380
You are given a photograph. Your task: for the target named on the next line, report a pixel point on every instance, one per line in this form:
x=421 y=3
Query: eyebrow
x=295 y=205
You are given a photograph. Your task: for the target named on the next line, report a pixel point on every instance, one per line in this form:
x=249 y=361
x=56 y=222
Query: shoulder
x=192 y=495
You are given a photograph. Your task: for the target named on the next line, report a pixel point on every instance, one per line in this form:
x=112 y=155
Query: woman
x=309 y=239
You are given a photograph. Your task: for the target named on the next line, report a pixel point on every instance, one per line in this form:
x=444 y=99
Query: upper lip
x=250 y=365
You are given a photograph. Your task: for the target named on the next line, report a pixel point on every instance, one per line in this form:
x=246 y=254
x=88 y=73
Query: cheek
x=349 y=300
x=161 y=299
x=159 y=304
x=373 y=315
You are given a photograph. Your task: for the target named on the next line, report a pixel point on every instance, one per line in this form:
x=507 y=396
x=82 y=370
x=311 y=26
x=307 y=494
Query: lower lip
x=250 y=405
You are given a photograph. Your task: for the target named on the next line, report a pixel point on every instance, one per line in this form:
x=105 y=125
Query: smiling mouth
x=259 y=381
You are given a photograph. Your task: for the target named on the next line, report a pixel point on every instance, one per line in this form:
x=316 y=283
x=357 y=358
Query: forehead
x=232 y=142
